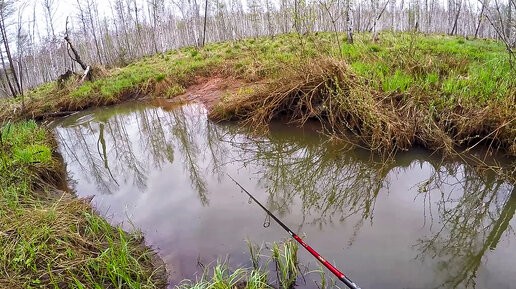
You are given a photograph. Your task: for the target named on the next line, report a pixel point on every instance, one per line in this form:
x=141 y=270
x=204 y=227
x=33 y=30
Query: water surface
x=416 y=223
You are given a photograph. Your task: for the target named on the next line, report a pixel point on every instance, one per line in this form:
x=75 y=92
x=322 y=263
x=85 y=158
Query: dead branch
x=75 y=53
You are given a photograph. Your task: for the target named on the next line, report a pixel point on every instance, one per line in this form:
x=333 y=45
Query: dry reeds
x=328 y=91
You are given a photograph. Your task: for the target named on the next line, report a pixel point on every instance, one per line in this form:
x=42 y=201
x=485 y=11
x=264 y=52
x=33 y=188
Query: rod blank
x=335 y=271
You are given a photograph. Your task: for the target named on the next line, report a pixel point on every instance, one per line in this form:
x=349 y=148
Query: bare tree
x=205 y=19
x=457 y=7
x=50 y=7
x=376 y=18
x=480 y=17
x=21 y=43
x=76 y=56
x=6 y=10
x=349 y=21
x=156 y=9
x=87 y=15
x=329 y=6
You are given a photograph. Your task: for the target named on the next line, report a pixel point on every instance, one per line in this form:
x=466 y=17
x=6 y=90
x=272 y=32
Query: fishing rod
x=323 y=261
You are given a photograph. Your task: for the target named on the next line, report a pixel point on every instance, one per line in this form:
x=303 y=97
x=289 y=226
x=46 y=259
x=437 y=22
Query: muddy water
x=417 y=223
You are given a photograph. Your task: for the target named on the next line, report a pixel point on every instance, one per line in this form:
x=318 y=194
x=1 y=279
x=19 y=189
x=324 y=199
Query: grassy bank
x=49 y=238
x=405 y=90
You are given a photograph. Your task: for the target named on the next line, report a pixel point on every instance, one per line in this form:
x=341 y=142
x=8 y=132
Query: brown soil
x=209 y=90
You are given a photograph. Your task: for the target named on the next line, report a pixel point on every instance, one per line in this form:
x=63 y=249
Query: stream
x=415 y=223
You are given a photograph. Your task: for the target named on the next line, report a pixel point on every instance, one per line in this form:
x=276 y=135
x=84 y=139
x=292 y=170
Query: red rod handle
x=327 y=264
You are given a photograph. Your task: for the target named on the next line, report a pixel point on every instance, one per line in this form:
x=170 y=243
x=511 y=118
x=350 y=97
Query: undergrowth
x=49 y=238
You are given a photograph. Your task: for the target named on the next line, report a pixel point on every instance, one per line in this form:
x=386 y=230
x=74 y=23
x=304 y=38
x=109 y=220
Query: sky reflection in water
x=418 y=223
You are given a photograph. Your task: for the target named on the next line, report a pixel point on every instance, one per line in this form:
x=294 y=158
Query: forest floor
x=404 y=90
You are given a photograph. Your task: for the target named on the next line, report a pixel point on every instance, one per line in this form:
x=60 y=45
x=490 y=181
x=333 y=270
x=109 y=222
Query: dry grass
x=329 y=91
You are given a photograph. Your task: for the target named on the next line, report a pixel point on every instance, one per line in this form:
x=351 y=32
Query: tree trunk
x=480 y=19
x=454 y=28
x=75 y=53
x=509 y=22
x=9 y=57
x=11 y=87
x=373 y=29
x=349 y=22
x=93 y=32
x=205 y=18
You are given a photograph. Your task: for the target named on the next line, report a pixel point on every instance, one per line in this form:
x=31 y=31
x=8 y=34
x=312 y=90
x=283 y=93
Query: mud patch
x=209 y=90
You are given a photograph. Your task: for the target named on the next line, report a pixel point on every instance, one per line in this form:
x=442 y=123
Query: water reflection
x=465 y=214
x=331 y=185
x=473 y=214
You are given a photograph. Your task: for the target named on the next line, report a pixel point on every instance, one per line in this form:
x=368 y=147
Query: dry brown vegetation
x=329 y=91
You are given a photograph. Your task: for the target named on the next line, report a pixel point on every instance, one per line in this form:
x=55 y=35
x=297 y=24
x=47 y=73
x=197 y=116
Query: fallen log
x=53 y=114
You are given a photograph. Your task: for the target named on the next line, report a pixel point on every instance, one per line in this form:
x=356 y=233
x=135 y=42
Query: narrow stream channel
x=419 y=223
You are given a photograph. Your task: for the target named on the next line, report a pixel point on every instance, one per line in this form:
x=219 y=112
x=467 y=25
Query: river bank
x=405 y=90
x=50 y=238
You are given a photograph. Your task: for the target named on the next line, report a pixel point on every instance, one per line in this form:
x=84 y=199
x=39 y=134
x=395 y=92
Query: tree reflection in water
x=331 y=185
x=466 y=213
x=474 y=212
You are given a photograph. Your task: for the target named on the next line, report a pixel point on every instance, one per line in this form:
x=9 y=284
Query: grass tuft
x=283 y=255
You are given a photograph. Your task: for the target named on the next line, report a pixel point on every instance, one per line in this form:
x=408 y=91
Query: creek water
x=415 y=223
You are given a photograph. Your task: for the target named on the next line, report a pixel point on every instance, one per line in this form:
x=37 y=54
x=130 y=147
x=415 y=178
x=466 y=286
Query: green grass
x=49 y=238
x=286 y=262
x=260 y=276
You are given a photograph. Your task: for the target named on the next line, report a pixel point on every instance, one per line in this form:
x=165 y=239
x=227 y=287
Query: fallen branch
x=54 y=114
x=75 y=53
